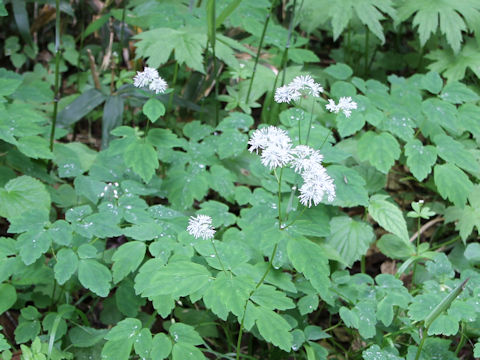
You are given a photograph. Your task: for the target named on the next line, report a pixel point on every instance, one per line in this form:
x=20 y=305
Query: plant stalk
x=57 y=73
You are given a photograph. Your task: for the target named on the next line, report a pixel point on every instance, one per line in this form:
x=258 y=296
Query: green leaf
x=350 y=186
x=21 y=194
x=125 y=329
x=228 y=294
x=365 y=311
x=269 y=298
x=182 y=351
x=432 y=82
x=308 y=304
x=309 y=259
x=452 y=183
x=179 y=278
x=395 y=247
x=127 y=259
x=444 y=325
x=339 y=71
x=161 y=346
x=185 y=186
x=186 y=334
x=9 y=82
x=388 y=216
x=67 y=263
x=381 y=150
x=153 y=109
x=94 y=276
x=349 y=126
x=375 y=353
x=32 y=244
x=439 y=112
x=143 y=343
x=458 y=93
x=142 y=158
x=8 y=297
x=35 y=147
x=80 y=107
x=420 y=159
x=231 y=143
x=455 y=152
x=274 y=328
x=128 y=303
x=84 y=337
x=117 y=350
x=350 y=238
x=218 y=212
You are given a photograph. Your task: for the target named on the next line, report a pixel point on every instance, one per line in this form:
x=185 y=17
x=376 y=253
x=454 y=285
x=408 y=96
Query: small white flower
x=276 y=156
x=316 y=184
x=267 y=136
x=201 y=227
x=305 y=158
x=158 y=85
x=285 y=94
x=345 y=104
x=145 y=77
x=306 y=84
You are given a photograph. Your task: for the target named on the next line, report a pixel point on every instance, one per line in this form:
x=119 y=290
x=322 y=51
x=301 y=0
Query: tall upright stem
x=57 y=72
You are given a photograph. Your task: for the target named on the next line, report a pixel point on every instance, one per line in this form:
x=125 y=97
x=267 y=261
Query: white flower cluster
x=345 y=104
x=201 y=227
x=277 y=151
x=301 y=85
x=149 y=77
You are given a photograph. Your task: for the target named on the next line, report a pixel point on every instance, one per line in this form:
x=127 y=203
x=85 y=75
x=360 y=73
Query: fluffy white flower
x=305 y=158
x=145 y=77
x=201 y=227
x=285 y=94
x=345 y=104
x=276 y=155
x=316 y=184
x=268 y=136
x=306 y=84
x=158 y=85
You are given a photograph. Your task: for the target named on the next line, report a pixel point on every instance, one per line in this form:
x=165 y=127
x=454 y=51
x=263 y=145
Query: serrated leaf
x=161 y=346
x=142 y=158
x=153 y=109
x=117 y=350
x=307 y=305
x=350 y=238
x=268 y=297
x=452 y=183
x=381 y=150
x=309 y=259
x=218 y=212
x=231 y=143
x=185 y=186
x=458 y=93
x=228 y=294
x=444 y=325
x=32 y=244
x=432 y=82
x=94 y=276
x=395 y=247
x=183 y=333
x=365 y=311
x=34 y=147
x=179 y=278
x=388 y=216
x=67 y=263
x=375 y=353
x=420 y=159
x=127 y=258
x=274 y=328
x=455 y=152
x=21 y=194
x=125 y=329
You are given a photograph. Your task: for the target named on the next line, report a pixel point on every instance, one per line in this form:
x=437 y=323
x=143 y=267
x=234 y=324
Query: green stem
x=279 y=179
x=259 y=283
x=310 y=124
x=418 y=243
x=463 y=339
x=419 y=350
x=151 y=320
x=362 y=264
x=367 y=35
x=57 y=72
x=259 y=50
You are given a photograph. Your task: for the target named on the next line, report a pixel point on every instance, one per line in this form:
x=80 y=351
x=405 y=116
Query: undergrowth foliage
x=230 y=195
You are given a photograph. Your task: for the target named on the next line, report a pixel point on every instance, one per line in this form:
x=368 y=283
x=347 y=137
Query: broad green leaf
x=395 y=247
x=350 y=238
x=365 y=311
x=183 y=351
x=153 y=109
x=218 y=212
x=94 y=276
x=274 y=328
x=444 y=325
x=381 y=150
x=468 y=115
x=9 y=81
x=339 y=71
x=73 y=158
x=26 y=331
x=67 y=263
x=21 y=194
x=458 y=93
x=8 y=297
x=127 y=258
x=80 y=107
x=231 y=143
x=161 y=346
x=128 y=303
x=143 y=343
x=432 y=82
x=228 y=294
x=375 y=353
x=388 y=216
x=185 y=186
x=439 y=112
x=222 y=181
x=142 y=158
x=422 y=305
x=32 y=244
x=179 y=278
x=469 y=218
x=117 y=350
x=309 y=259
x=420 y=159
x=35 y=147
x=455 y=153
x=452 y=183
x=349 y=185
x=269 y=298
x=350 y=125
x=125 y=329
x=308 y=304
x=183 y=333
x=84 y=337
x=90 y=188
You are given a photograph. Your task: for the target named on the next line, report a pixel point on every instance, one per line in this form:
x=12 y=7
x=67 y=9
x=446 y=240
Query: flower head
x=268 y=136
x=305 y=158
x=316 y=184
x=345 y=104
x=201 y=226
x=145 y=77
x=303 y=84
x=285 y=94
x=158 y=85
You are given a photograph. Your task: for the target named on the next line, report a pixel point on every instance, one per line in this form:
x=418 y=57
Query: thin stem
x=279 y=179
x=419 y=350
x=362 y=264
x=310 y=124
x=259 y=283
x=367 y=35
x=463 y=339
x=151 y=320
x=57 y=72
x=262 y=37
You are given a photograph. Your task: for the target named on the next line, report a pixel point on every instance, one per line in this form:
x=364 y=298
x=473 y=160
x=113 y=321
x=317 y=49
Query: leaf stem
x=57 y=72
x=419 y=350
